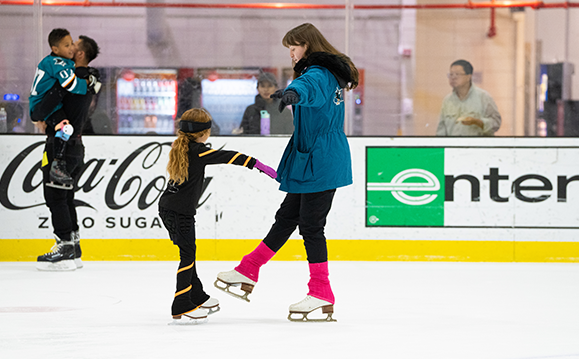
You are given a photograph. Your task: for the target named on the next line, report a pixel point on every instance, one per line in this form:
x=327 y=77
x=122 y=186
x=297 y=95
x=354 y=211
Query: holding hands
x=265 y=169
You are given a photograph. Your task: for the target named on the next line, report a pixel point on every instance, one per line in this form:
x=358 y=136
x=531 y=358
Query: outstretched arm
x=212 y=156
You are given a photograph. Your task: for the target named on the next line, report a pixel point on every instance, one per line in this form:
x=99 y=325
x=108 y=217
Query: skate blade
x=78 y=263
x=246 y=288
x=329 y=310
x=184 y=320
x=305 y=319
x=66 y=187
x=61 y=266
x=212 y=310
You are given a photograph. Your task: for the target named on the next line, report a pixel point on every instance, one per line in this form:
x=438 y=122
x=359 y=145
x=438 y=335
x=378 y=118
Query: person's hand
x=94 y=84
x=95 y=72
x=237 y=131
x=276 y=94
x=61 y=125
x=467 y=121
x=265 y=169
x=290 y=97
x=40 y=125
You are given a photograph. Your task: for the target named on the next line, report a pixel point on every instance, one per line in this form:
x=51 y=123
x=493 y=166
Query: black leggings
x=308 y=211
x=60 y=202
x=189 y=293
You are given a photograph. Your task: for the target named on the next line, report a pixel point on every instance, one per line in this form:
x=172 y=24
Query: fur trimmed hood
x=333 y=63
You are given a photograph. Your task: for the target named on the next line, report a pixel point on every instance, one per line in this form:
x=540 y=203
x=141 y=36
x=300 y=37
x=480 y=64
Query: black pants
x=189 y=293
x=60 y=202
x=308 y=211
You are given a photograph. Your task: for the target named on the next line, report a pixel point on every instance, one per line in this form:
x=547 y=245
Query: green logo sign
x=404 y=187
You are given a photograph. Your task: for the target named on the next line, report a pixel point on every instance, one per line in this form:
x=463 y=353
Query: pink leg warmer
x=250 y=263
x=319 y=283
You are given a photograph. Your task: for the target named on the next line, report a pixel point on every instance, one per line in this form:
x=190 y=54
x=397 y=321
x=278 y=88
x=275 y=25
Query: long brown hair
x=308 y=34
x=178 y=166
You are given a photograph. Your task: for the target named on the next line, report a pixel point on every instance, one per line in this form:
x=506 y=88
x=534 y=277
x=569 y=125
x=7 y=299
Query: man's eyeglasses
x=454 y=75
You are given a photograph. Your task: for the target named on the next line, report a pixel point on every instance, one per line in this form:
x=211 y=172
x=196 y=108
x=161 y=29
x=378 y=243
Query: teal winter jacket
x=317 y=157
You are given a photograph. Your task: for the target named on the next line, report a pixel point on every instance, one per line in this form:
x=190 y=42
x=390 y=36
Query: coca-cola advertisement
x=117 y=192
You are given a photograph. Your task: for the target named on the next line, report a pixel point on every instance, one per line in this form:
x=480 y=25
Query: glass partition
x=159 y=58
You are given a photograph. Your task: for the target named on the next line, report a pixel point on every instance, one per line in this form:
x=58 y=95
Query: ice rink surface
x=392 y=310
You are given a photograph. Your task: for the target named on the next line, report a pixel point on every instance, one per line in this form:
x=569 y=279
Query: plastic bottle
x=264 y=122
x=3 y=119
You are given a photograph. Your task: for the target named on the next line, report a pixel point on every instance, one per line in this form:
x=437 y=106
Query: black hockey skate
x=59 y=176
x=61 y=258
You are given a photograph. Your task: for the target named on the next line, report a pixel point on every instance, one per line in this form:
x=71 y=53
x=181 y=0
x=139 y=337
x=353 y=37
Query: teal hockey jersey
x=51 y=69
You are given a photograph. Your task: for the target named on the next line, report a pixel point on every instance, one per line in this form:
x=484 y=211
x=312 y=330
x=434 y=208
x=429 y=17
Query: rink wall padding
x=413 y=199
x=344 y=250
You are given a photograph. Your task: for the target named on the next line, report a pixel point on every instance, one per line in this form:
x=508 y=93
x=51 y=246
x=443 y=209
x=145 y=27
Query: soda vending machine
x=146 y=101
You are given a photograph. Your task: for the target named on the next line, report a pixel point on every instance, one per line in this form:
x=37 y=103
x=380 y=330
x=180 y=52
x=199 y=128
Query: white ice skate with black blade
x=59 y=259
x=211 y=305
x=307 y=306
x=194 y=317
x=235 y=279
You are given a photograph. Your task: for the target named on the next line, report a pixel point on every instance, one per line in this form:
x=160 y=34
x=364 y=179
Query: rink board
x=426 y=199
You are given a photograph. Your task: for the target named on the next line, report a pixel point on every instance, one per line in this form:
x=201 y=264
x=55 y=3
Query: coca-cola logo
x=138 y=179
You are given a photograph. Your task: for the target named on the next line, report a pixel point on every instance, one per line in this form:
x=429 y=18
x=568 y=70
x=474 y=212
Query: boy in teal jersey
x=57 y=67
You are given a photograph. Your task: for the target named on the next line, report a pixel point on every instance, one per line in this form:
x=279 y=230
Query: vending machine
x=146 y=101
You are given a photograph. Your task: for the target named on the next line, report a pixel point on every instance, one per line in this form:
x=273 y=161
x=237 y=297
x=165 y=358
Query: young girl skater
x=177 y=207
x=316 y=161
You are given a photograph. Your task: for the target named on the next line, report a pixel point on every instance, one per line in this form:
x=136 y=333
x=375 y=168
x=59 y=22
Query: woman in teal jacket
x=315 y=162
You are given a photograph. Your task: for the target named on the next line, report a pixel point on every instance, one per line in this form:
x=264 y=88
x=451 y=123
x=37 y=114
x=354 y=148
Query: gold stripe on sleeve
x=234 y=158
x=247 y=161
x=208 y=152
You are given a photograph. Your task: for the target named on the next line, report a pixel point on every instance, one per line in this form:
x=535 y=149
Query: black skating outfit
x=177 y=208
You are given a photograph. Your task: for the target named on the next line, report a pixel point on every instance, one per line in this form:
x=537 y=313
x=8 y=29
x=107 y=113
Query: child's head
x=61 y=43
x=195 y=125
x=309 y=37
x=190 y=124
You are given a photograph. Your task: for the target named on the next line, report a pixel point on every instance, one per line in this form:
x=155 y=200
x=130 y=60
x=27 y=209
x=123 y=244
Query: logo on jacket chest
x=338 y=98
x=60 y=62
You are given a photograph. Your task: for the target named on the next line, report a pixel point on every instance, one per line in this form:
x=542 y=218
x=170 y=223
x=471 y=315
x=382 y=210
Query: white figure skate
x=235 y=279
x=196 y=316
x=211 y=305
x=308 y=305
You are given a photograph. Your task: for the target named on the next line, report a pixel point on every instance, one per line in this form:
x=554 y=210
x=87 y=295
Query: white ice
x=384 y=310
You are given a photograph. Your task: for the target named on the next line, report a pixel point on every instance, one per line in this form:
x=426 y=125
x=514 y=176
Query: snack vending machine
x=146 y=101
